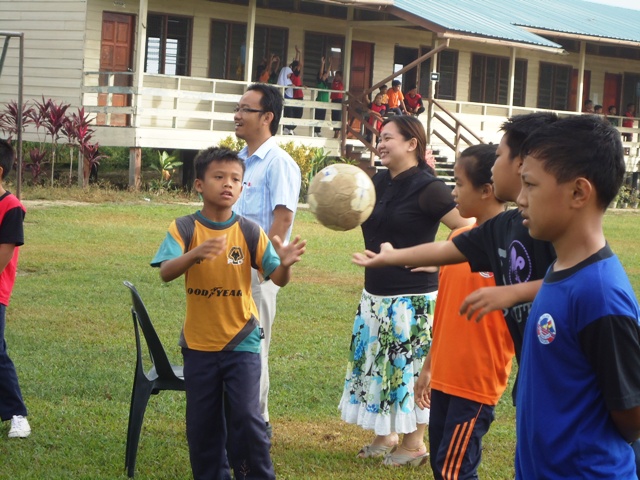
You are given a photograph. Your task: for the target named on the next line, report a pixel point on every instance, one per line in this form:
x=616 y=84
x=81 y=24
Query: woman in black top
x=392 y=330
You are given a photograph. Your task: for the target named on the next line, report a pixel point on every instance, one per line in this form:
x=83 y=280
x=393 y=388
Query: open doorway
x=402 y=57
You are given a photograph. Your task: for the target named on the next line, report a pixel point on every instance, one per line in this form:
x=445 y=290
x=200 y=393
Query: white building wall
x=53 y=49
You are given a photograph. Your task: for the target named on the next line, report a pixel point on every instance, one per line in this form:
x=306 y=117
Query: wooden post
x=135 y=166
x=80 y=168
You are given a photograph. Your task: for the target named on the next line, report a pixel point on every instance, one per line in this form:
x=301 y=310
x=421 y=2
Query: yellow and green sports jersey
x=221 y=313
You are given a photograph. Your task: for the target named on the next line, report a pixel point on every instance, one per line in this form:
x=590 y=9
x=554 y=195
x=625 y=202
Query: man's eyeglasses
x=245 y=110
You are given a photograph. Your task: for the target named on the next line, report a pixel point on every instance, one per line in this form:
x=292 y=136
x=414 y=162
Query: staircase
x=360 y=155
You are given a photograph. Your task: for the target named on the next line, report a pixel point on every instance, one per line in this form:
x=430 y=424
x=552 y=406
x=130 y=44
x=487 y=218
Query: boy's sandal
x=399 y=459
x=372 y=451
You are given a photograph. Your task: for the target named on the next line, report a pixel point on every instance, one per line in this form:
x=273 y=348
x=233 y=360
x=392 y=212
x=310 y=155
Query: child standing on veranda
x=468 y=366
x=215 y=249
x=579 y=394
x=11 y=237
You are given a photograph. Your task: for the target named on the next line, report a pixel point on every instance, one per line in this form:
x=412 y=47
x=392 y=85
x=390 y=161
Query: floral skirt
x=391 y=338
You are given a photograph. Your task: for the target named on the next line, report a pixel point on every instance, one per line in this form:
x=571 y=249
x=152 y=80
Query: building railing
x=206 y=104
x=194 y=103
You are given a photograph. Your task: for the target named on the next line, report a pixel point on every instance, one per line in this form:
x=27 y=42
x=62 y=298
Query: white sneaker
x=19 y=427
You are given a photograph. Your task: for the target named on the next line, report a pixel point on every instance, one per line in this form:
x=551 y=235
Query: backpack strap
x=251 y=232
x=186 y=226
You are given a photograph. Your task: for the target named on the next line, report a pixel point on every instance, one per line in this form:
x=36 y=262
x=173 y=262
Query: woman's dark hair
x=477 y=162
x=410 y=127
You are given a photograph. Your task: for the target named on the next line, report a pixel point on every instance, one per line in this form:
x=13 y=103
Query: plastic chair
x=162 y=376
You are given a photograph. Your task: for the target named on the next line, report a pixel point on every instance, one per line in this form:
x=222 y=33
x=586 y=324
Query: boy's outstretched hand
x=370 y=259
x=291 y=253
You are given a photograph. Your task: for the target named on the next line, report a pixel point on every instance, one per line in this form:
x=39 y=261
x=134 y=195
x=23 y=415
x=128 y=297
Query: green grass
x=69 y=331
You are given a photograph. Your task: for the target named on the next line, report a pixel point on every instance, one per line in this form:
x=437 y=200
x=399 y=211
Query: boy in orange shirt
x=396 y=99
x=468 y=366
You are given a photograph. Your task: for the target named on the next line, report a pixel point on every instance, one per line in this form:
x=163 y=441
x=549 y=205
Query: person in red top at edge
x=12 y=213
x=336 y=97
x=413 y=101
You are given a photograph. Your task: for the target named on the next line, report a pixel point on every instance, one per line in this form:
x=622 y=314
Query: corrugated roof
x=509 y=19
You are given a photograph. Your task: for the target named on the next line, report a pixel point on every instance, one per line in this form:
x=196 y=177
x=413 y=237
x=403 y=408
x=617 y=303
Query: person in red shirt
x=627 y=122
x=298 y=93
x=12 y=213
x=376 y=111
x=413 y=101
x=336 y=97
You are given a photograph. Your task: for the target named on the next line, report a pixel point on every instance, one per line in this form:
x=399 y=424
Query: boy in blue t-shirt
x=579 y=393
x=215 y=249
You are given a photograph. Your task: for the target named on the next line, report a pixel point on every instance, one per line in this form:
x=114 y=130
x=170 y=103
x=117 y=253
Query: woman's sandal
x=399 y=459
x=372 y=451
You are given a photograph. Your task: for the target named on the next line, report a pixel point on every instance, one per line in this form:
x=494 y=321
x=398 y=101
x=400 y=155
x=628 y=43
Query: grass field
x=69 y=331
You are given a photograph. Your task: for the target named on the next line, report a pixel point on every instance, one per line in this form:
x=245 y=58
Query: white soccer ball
x=341 y=196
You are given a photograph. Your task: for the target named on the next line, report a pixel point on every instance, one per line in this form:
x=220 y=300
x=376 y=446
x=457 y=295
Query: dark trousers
x=292 y=112
x=320 y=114
x=456 y=428
x=10 y=395
x=336 y=115
x=237 y=431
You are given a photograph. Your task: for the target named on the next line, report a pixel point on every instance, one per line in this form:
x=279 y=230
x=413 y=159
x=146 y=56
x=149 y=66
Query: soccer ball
x=341 y=196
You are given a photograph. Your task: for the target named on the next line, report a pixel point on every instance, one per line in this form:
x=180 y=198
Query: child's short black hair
x=581 y=146
x=383 y=86
x=477 y=161
x=519 y=127
x=395 y=83
x=215 y=154
x=7 y=157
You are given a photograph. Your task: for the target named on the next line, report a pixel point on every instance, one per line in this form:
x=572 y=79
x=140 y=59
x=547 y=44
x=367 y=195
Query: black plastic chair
x=162 y=376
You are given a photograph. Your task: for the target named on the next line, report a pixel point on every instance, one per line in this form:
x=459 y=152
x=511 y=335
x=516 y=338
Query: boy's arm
x=6 y=253
x=422 y=388
x=207 y=250
x=289 y=254
x=426 y=254
x=488 y=299
x=282 y=220
x=628 y=423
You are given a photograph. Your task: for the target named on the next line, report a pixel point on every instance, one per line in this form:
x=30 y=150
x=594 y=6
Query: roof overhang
x=501 y=42
x=443 y=32
x=582 y=37
x=359 y=3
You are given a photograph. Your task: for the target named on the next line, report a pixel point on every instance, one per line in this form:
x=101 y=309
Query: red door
x=573 y=93
x=361 y=63
x=116 y=56
x=612 y=92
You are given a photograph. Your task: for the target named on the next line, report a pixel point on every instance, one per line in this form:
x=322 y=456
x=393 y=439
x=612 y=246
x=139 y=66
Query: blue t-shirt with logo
x=580 y=360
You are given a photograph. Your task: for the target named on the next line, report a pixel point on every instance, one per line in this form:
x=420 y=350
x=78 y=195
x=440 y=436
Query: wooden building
x=166 y=74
